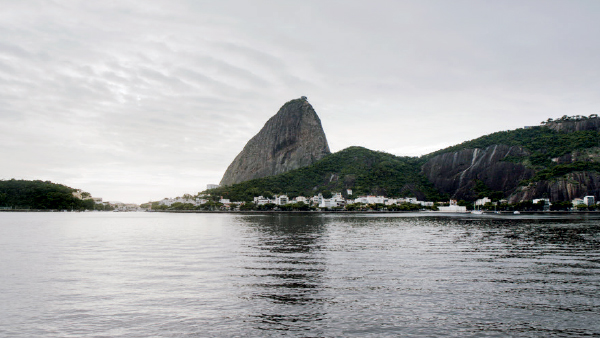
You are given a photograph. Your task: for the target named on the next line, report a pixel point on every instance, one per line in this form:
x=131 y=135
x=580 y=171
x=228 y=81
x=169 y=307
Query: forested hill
x=559 y=159
x=360 y=169
x=44 y=195
x=543 y=143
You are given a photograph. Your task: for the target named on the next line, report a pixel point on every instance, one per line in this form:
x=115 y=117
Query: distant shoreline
x=376 y=212
x=255 y=212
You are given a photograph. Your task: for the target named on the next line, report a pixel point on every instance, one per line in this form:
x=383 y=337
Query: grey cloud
x=126 y=93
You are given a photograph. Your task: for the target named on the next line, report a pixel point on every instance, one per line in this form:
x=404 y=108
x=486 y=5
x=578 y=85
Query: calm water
x=211 y=275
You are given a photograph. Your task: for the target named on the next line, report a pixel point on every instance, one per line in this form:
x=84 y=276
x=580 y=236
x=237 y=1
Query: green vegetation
x=208 y=206
x=561 y=170
x=362 y=170
x=370 y=172
x=543 y=143
x=43 y=195
x=483 y=190
x=573 y=118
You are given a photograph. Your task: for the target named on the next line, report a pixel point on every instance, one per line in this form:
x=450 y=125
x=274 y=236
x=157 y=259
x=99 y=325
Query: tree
x=561 y=205
x=247 y=206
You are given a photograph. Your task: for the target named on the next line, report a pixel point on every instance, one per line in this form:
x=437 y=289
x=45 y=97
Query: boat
x=477 y=211
x=517 y=212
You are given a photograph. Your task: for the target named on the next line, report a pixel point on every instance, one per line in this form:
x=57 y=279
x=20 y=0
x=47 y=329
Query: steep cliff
x=455 y=173
x=559 y=159
x=570 y=186
x=291 y=139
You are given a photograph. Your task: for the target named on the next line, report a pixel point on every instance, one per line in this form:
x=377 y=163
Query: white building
x=212 y=186
x=483 y=201
x=370 y=199
x=577 y=202
x=124 y=206
x=300 y=199
x=318 y=199
x=453 y=208
x=391 y=201
x=328 y=203
x=339 y=199
x=282 y=200
x=589 y=200
x=260 y=200
x=411 y=200
x=538 y=200
x=170 y=201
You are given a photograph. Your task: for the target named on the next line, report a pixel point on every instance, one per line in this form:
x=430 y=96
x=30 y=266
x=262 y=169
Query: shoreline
x=379 y=212
x=256 y=212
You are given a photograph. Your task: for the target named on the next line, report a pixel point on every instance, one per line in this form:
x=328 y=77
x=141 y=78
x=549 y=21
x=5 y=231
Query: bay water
x=103 y=274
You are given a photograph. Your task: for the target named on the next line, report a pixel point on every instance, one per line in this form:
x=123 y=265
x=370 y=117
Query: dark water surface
x=213 y=275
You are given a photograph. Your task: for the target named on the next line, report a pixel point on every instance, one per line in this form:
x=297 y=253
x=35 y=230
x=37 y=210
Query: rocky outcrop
x=291 y=139
x=573 y=185
x=454 y=173
x=578 y=125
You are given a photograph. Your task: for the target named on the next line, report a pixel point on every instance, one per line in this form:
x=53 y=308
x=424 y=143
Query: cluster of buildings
x=115 y=206
x=197 y=201
x=587 y=200
x=337 y=200
x=185 y=200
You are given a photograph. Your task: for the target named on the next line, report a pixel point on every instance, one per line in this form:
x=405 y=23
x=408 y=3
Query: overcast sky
x=138 y=100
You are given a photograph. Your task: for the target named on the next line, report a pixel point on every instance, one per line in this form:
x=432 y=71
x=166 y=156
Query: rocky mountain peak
x=291 y=139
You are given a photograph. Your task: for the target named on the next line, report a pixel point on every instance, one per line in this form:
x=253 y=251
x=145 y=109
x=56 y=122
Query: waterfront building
x=282 y=200
x=589 y=200
x=260 y=200
x=318 y=199
x=483 y=201
x=300 y=199
x=328 y=203
x=452 y=207
x=170 y=201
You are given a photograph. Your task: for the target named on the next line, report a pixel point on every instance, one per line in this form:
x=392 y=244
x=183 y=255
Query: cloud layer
x=135 y=101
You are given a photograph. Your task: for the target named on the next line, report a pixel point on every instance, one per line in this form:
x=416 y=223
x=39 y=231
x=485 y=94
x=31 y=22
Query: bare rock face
x=579 y=125
x=573 y=185
x=291 y=139
x=455 y=173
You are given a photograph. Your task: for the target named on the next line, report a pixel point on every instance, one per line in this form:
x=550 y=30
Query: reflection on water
x=285 y=271
x=298 y=275
x=357 y=276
